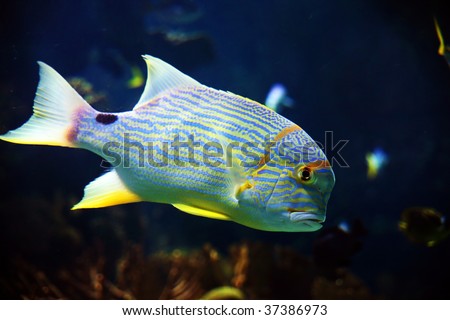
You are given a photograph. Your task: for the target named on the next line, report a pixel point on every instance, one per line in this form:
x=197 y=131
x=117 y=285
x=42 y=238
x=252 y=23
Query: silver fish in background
x=277 y=98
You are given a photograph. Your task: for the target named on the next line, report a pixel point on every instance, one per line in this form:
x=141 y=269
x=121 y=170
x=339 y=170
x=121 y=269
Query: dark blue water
x=368 y=71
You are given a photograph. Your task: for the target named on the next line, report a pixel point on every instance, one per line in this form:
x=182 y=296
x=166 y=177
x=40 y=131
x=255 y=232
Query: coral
x=86 y=90
x=254 y=271
x=271 y=272
x=53 y=259
x=170 y=276
x=346 y=286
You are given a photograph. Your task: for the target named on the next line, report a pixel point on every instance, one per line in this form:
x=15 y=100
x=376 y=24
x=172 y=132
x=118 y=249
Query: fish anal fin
x=201 y=212
x=107 y=190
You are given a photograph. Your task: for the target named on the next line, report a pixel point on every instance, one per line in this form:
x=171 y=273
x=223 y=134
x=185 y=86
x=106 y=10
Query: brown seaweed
x=258 y=271
x=54 y=259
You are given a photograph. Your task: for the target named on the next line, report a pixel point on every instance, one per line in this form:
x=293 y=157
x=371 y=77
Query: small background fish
x=423 y=225
x=444 y=49
x=277 y=98
x=376 y=161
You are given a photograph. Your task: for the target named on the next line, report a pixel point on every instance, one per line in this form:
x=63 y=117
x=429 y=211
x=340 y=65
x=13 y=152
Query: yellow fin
x=137 y=79
x=107 y=190
x=441 y=49
x=201 y=212
x=240 y=189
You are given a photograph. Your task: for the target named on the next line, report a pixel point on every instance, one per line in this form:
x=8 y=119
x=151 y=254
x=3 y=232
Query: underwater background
x=367 y=71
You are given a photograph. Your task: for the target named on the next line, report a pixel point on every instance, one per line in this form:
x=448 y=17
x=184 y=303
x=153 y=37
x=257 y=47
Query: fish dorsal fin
x=201 y=212
x=161 y=76
x=107 y=190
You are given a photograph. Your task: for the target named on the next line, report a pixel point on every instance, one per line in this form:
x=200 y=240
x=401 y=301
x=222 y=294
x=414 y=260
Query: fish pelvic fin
x=201 y=212
x=107 y=190
x=161 y=76
x=55 y=110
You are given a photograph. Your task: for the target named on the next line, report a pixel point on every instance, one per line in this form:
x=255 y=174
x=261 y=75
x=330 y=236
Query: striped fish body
x=207 y=152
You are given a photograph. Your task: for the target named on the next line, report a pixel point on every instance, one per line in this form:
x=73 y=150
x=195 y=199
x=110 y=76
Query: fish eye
x=305 y=174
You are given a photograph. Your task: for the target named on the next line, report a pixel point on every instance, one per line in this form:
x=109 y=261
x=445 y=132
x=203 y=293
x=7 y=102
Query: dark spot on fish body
x=106 y=118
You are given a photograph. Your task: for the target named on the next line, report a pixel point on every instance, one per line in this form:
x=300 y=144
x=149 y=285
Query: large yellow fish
x=207 y=152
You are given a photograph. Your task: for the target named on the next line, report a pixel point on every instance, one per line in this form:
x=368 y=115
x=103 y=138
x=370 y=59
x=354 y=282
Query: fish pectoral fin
x=201 y=212
x=107 y=190
x=242 y=188
x=161 y=76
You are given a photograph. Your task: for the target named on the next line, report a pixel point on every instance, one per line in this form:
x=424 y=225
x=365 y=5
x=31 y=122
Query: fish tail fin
x=55 y=112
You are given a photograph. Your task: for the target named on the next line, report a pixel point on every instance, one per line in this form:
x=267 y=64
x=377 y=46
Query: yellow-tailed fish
x=207 y=152
x=443 y=49
x=376 y=160
x=137 y=78
x=424 y=225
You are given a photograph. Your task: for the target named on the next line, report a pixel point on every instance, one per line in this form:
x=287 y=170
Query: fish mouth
x=311 y=219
